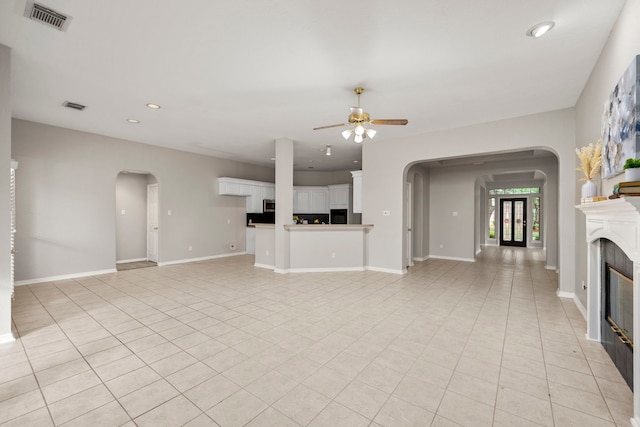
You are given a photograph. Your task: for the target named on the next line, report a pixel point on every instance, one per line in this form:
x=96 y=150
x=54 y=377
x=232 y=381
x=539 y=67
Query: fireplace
x=616 y=326
x=613 y=284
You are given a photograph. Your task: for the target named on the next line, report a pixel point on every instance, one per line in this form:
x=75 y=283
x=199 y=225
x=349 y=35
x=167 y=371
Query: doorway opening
x=137 y=228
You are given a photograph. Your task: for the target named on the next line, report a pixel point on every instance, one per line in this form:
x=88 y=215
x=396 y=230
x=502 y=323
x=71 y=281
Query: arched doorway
x=453 y=195
x=137 y=229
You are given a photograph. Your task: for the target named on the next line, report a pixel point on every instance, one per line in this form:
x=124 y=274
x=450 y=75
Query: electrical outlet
x=267 y=251
x=441 y=246
x=190 y=248
x=228 y=221
x=386 y=213
x=333 y=254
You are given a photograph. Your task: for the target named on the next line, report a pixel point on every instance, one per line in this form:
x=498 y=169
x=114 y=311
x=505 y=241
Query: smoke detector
x=46 y=15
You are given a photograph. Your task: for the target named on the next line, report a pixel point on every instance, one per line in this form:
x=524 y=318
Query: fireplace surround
x=618 y=221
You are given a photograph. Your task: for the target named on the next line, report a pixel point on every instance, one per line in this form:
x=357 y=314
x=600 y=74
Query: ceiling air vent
x=74 y=105
x=47 y=16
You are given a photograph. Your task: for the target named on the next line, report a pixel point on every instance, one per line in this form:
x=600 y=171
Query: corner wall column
x=284 y=202
x=6 y=284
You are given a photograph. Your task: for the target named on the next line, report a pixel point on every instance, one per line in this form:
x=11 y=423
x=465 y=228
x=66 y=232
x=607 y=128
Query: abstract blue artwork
x=621 y=122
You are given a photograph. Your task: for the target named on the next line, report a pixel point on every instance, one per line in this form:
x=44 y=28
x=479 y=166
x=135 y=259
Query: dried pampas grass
x=590 y=160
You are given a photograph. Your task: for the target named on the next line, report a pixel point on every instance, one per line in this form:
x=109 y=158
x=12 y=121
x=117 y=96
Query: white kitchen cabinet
x=339 y=196
x=254 y=191
x=311 y=200
x=233 y=187
x=357 y=191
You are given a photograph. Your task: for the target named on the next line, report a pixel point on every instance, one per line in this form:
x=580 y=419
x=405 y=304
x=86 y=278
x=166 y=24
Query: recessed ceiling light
x=540 y=29
x=133 y=121
x=154 y=106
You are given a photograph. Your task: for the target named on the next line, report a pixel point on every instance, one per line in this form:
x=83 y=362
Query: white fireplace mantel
x=617 y=220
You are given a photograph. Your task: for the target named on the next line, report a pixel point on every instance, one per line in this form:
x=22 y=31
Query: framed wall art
x=621 y=122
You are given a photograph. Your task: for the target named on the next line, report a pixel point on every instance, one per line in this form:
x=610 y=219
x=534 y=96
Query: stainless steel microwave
x=268 y=205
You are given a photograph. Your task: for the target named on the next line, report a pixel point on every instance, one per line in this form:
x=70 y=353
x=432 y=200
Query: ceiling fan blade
x=389 y=122
x=331 y=126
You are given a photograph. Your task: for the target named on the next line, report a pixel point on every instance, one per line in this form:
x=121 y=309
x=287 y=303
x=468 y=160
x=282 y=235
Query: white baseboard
x=267 y=266
x=5 y=338
x=564 y=294
x=581 y=307
x=420 y=259
x=635 y=422
x=64 y=277
x=451 y=258
x=551 y=267
x=386 y=270
x=122 y=261
x=205 y=258
x=324 y=270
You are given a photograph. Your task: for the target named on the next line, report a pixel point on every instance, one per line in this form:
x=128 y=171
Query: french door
x=513 y=222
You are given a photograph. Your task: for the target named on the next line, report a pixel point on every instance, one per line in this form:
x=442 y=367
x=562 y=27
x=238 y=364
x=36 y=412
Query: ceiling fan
x=359 y=118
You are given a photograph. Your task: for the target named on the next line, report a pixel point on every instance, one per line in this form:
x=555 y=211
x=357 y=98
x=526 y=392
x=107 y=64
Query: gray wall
x=456 y=189
x=131 y=227
x=551 y=130
x=322 y=177
x=6 y=287
x=66 y=202
x=623 y=45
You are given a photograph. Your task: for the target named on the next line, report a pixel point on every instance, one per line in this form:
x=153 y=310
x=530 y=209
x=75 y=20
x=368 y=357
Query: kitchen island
x=316 y=247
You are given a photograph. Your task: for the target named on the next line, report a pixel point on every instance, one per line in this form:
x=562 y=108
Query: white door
x=152 y=222
x=409 y=224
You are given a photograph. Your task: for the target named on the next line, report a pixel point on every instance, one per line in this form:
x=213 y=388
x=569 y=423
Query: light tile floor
x=223 y=343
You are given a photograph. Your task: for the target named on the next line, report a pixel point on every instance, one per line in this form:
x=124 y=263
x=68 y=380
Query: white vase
x=589 y=189
x=632 y=174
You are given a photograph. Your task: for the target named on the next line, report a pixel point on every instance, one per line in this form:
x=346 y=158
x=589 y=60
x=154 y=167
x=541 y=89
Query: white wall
x=6 y=287
x=384 y=191
x=131 y=216
x=66 y=203
x=623 y=45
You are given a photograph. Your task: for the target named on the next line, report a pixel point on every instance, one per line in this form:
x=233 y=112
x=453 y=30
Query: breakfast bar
x=316 y=247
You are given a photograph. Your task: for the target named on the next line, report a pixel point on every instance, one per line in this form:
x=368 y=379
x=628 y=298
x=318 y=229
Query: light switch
x=122 y=212
x=169 y=212
x=455 y=213
x=386 y=213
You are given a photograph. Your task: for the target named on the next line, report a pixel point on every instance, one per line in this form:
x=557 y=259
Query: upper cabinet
x=310 y=200
x=339 y=196
x=255 y=191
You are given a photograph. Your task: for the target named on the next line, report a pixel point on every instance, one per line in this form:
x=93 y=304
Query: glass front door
x=513 y=222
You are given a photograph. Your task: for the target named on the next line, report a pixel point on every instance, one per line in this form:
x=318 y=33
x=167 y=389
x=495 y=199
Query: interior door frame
x=153 y=210
x=409 y=224
x=512 y=242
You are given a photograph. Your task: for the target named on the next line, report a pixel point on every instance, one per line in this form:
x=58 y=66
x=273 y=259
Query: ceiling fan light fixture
x=357 y=138
x=371 y=133
x=347 y=133
x=540 y=29
x=359 y=130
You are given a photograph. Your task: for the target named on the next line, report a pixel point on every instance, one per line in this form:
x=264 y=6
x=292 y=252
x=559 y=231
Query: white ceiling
x=233 y=75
